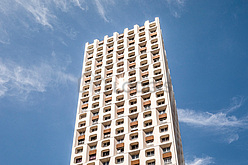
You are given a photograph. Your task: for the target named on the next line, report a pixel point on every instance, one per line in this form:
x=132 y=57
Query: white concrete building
x=126 y=108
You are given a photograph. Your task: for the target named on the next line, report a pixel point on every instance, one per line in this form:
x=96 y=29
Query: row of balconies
x=120 y=101
x=134 y=156
x=133 y=129
x=121 y=71
x=120 y=105
x=144 y=73
x=120 y=59
x=161 y=113
x=129 y=86
x=130 y=37
x=120 y=56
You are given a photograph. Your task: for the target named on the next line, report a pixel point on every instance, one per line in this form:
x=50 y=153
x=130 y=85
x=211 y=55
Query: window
x=82 y=124
x=150 y=153
x=160 y=103
x=163 y=119
x=107 y=110
x=120 y=150
x=149 y=114
x=134 y=119
x=107 y=118
x=93 y=157
x=81 y=133
x=81 y=141
x=120 y=131
x=167 y=160
x=93 y=129
x=105 y=163
x=93 y=138
x=95 y=121
x=95 y=113
x=106 y=153
x=147 y=107
x=120 y=140
x=149 y=133
x=164 y=138
x=135 y=156
x=119 y=98
x=145 y=84
x=134 y=146
x=133 y=110
x=162 y=112
x=106 y=135
x=134 y=136
x=151 y=163
x=119 y=122
x=120 y=160
x=107 y=126
x=133 y=102
x=78 y=160
x=163 y=129
x=106 y=144
x=79 y=150
x=134 y=127
x=121 y=36
x=143 y=51
x=167 y=149
x=96 y=98
x=93 y=147
x=148 y=123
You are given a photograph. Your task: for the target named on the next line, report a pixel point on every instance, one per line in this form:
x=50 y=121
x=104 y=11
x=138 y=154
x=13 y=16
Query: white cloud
x=4 y=36
x=101 y=10
x=79 y=4
x=42 y=11
x=16 y=80
x=176 y=7
x=39 y=11
x=101 y=7
x=209 y=119
x=221 y=122
x=232 y=138
x=201 y=161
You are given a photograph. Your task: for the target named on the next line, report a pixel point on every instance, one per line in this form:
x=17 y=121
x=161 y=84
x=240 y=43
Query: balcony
x=120 y=111
x=135 y=162
x=131 y=42
x=96 y=117
x=167 y=155
x=134 y=123
x=149 y=138
x=153 y=35
x=120 y=145
x=84 y=106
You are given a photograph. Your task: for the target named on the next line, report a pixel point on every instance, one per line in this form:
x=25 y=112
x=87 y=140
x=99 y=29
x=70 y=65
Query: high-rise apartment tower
x=126 y=111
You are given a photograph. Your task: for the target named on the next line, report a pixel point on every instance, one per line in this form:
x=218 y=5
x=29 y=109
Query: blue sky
x=41 y=55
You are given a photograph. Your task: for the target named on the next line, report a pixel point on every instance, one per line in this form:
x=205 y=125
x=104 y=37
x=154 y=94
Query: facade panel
x=126 y=109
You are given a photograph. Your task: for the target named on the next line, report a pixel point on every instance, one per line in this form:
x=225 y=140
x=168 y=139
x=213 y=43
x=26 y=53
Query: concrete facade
x=126 y=110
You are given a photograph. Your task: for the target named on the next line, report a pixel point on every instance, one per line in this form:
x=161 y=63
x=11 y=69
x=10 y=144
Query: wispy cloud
x=16 y=80
x=201 y=161
x=176 y=7
x=38 y=10
x=228 y=124
x=42 y=11
x=79 y=4
x=4 y=36
x=101 y=10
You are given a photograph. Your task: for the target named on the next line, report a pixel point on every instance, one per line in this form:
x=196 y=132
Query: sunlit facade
x=126 y=110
